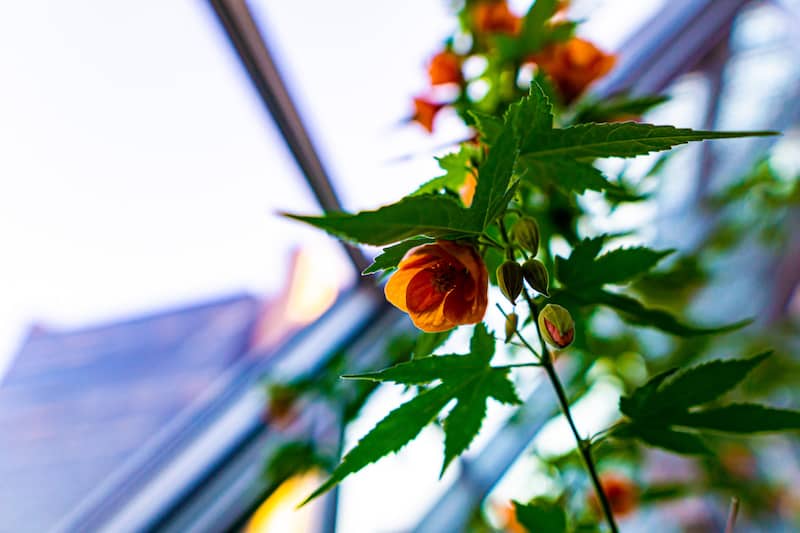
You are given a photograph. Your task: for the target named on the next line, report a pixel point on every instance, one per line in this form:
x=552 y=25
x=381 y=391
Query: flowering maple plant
x=491 y=219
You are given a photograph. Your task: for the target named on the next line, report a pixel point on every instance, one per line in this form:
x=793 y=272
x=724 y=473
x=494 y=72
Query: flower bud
x=509 y=278
x=526 y=232
x=556 y=325
x=511 y=326
x=535 y=273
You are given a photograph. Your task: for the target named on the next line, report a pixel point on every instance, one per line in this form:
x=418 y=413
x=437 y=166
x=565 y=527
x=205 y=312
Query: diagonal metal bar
x=673 y=42
x=252 y=49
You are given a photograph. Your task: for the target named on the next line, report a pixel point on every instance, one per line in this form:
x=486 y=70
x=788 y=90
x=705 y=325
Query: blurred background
x=154 y=305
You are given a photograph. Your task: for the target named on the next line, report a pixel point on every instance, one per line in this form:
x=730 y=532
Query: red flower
x=573 y=65
x=445 y=67
x=425 y=112
x=440 y=285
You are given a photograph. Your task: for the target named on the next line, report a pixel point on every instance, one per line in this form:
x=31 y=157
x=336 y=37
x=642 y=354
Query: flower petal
x=421 y=294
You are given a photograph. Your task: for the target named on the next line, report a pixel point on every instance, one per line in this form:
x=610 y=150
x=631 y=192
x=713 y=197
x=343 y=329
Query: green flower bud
x=556 y=325
x=511 y=326
x=535 y=273
x=526 y=232
x=509 y=278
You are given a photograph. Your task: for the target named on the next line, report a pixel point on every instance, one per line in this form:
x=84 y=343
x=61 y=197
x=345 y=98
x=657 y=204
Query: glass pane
x=140 y=173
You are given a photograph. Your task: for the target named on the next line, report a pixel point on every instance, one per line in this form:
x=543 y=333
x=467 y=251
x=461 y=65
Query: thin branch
x=732 y=515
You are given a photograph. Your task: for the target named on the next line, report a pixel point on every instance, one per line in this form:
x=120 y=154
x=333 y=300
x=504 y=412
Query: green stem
x=584 y=446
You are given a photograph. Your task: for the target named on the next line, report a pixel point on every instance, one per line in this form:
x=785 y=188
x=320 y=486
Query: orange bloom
x=495 y=17
x=467 y=190
x=622 y=493
x=573 y=65
x=425 y=111
x=445 y=67
x=440 y=286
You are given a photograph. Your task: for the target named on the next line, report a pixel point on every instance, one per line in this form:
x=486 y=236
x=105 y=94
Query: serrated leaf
x=675 y=441
x=700 y=384
x=566 y=174
x=488 y=126
x=456 y=166
x=390 y=434
x=392 y=255
x=620 y=139
x=469 y=379
x=532 y=116
x=541 y=516
x=465 y=419
x=636 y=404
x=431 y=215
x=635 y=312
x=622 y=265
x=428 y=342
x=494 y=177
x=740 y=418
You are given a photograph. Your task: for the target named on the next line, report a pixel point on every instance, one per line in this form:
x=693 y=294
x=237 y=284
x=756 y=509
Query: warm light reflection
x=279 y=512
x=312 y=290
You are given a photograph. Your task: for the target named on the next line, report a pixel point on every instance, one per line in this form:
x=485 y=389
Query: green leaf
x=456 y=166
x=636 y=404
x=541 y=516
x=431 y=215
x=488 y=126
x=494 y=177
x=533 y=34
x=392 y=255
x=428 y=342
x=701 y=384
x=740 y=418
x=634 y=312
x=466 y=378
x=532 y=116
x=622 y=139
x=618 y=266
x=567 y=174
x=669 y=439
x=390 y=434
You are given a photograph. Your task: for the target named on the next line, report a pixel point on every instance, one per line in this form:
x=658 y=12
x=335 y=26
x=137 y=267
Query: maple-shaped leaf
x=430 y=215
x=469 y=379
x=584 y=269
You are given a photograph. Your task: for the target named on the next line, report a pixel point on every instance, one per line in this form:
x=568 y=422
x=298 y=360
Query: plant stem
x=584 y=446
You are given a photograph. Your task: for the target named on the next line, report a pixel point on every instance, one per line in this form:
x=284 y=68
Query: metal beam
x=252 y=49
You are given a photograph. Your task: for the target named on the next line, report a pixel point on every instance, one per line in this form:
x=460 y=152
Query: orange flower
x=622 y=493
x=445 y=67
x=467 y=190
x=425 y=111
x=495 y=17
x=573 y=65
x=440 y=286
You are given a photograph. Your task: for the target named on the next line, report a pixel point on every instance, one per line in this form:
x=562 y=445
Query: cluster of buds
x=554 y=322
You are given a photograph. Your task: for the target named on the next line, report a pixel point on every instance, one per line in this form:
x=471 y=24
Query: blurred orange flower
x=467 y=190
x=445 y=67
x=573 y=65
x=440 y=286
x=425 y=112
x=622 y=493
x=495 y=17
